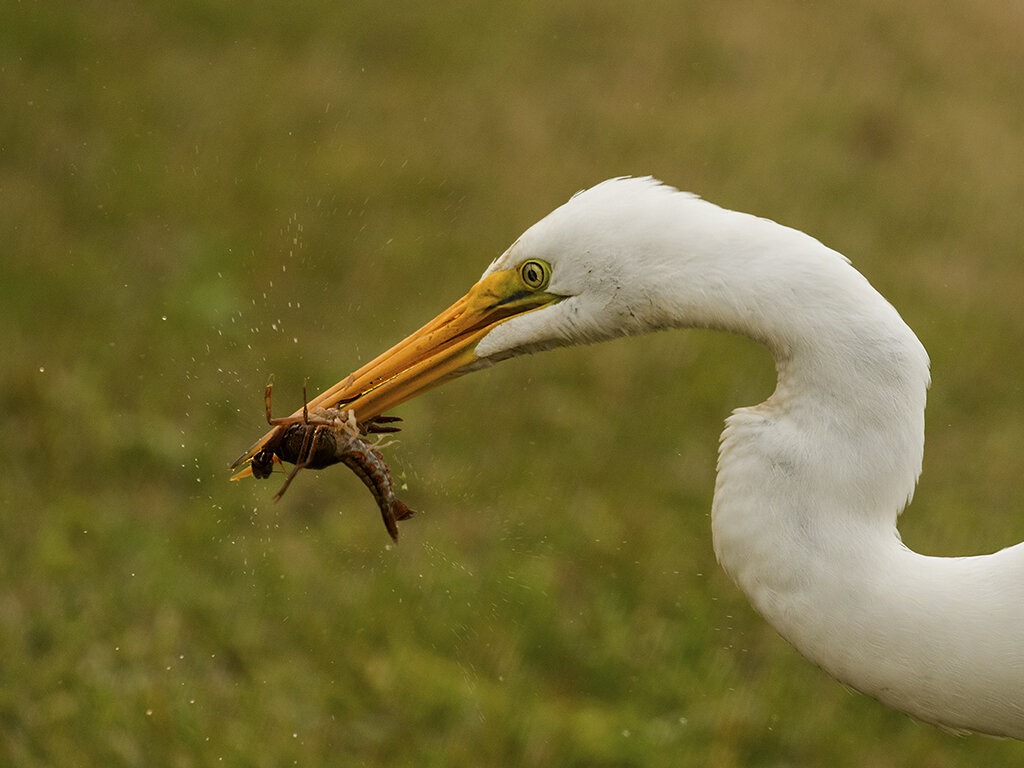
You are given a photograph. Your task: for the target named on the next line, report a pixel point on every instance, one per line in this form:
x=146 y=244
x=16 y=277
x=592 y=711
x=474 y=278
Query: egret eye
x=535 y=274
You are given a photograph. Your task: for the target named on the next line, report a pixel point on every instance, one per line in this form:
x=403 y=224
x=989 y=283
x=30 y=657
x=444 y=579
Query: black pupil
x=532 y=274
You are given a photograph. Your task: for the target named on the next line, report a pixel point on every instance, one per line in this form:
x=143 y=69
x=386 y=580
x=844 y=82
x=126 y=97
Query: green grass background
x=196 y=197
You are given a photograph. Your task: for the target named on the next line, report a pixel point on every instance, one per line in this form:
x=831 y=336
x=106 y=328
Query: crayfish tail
x=402 y=512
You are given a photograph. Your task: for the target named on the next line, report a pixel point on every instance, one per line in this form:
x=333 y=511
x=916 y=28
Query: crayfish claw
x=377 y=425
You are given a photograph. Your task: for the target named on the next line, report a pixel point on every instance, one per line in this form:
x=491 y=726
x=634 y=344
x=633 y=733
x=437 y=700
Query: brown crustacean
x=332 y=436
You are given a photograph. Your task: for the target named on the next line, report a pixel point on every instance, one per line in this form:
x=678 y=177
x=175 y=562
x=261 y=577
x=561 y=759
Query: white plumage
x=810 y=482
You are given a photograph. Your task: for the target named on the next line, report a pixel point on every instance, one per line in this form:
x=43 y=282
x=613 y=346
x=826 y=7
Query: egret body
x=810 y=482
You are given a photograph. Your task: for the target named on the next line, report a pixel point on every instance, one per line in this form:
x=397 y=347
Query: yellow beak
x=440 y=350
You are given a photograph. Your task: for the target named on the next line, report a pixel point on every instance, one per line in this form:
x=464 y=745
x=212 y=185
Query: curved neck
x=810 y=482
x=809 y=488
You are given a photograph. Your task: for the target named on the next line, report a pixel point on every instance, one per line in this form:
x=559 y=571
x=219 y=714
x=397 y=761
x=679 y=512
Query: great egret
x=811 y=481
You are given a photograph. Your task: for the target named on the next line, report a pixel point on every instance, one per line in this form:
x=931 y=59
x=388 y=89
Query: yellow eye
x=535 y=274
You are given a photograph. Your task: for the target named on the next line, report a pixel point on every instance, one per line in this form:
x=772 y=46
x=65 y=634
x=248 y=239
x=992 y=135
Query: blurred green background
x=197 y=197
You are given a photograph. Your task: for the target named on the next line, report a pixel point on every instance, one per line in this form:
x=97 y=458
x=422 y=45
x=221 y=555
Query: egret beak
x=441 y=350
